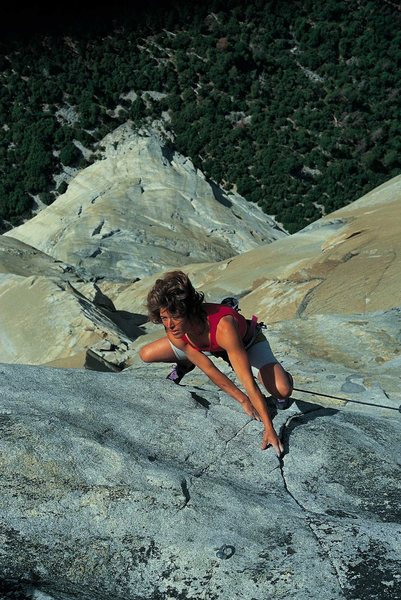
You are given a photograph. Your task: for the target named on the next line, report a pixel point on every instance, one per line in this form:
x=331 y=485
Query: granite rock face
x=347 y=262
x=329 y=293
x=144 y=208
x=49 y=314
x=124 y=486
x=344 y=264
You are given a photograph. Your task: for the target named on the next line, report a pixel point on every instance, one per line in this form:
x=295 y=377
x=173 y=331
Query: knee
x=276 y=380
x=285 y=386
x=145 y=354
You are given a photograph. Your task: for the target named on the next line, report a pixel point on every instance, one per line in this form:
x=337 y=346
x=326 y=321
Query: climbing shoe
x=180 y=369
x=284 y=403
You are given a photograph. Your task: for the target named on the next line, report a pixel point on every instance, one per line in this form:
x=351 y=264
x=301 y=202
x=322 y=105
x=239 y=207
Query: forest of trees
x=293 y=104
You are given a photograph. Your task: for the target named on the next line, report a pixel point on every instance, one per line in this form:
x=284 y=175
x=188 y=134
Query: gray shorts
x=259 y=354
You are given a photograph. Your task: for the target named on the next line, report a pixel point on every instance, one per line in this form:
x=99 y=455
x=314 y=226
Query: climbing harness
x=347 y=399
x=253 y=325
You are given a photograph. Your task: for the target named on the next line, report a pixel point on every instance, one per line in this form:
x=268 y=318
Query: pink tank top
x=214 y=313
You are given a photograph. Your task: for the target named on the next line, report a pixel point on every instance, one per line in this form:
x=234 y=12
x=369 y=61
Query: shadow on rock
x=220 y=197
x=128 y=322
x=308 y=412
x=205 y=403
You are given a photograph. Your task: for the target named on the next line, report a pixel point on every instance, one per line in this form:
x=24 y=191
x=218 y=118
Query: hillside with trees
x=293 y=104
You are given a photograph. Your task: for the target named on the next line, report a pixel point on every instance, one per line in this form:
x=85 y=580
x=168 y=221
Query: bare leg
x=275 y=380
x=158 y=351
x=161 y=351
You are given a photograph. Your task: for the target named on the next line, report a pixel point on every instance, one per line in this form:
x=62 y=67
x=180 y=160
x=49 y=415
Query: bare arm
x=228 y=338
x=215 y=375
x=252 y=403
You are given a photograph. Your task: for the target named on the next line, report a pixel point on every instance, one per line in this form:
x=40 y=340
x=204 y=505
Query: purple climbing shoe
x=180 y=369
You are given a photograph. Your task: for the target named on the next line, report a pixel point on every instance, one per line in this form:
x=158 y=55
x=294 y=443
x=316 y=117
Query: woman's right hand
x=250 y=409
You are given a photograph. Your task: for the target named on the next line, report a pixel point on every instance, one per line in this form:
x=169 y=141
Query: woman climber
x=196 y=329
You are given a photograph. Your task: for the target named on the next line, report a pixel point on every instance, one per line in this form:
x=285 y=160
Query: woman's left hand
x=270 y=438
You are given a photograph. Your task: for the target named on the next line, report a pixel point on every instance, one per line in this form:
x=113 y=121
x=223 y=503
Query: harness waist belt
x=252 y=331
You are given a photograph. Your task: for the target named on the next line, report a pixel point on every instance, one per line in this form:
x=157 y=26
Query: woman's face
x=178 y=326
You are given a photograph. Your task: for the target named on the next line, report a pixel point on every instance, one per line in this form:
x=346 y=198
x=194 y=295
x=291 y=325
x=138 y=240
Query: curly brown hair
x=175 y=293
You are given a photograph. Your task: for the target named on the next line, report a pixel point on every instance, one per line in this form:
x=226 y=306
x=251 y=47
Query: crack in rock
x=238 y=432
x=200 y=471
x=284 y=436
x=326 y=551
x=392 y=258
x=98 y=228
x=305 y=300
